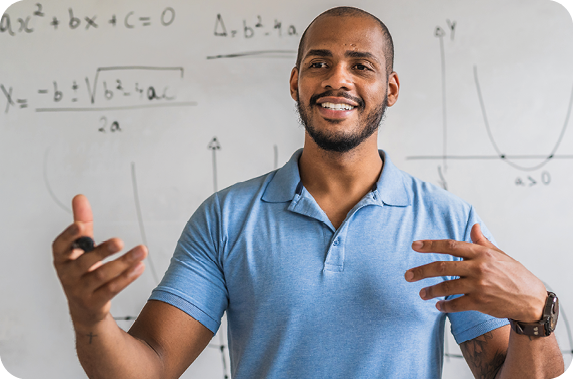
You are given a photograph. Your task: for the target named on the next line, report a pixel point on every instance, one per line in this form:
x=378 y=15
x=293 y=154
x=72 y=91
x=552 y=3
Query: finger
x=439 y=268
x=111 y=270
x=87 y=262
x=83 y=213
x=459 y=304
x=62 y=245
x=445 y=288
x=478 y=237
x=108 y=291
x=452 y=247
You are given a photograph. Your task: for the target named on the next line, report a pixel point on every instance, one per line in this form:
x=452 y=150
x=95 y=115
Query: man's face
x=341 y=88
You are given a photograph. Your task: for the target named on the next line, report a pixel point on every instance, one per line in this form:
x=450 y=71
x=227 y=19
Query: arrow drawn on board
x=214 y=145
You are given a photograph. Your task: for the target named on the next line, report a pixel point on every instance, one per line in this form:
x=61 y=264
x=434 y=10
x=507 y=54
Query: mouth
x=337 y=107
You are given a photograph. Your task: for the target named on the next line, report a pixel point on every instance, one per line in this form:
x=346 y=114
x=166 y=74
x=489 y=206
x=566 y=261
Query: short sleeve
x=471 y=324
x=194 y=281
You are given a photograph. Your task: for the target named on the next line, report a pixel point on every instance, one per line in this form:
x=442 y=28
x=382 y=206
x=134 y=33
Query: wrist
x=84 y=321
x=543 y=326
x=534 y=306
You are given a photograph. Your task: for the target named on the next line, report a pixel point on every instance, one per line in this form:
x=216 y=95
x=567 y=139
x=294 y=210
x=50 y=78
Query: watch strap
x=543 y=327
x=536 y=329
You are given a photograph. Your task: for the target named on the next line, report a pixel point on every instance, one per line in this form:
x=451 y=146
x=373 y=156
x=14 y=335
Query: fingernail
x=439 y=306
x=423 y=293
x=417 y=245
x=409 y=275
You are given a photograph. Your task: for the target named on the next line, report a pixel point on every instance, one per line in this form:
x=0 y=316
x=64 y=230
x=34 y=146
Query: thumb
x=479 y=239
x=83 y=214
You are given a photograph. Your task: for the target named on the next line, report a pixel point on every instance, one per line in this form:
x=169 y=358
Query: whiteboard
x=148 y=107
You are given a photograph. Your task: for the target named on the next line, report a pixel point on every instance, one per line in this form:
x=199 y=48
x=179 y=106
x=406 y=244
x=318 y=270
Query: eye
x=318 y=65
x=360 y=67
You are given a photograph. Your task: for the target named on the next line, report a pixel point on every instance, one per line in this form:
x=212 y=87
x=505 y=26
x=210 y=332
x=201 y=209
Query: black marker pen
x=87 y=244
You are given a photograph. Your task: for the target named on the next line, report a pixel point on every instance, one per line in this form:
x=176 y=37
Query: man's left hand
x=490 y=281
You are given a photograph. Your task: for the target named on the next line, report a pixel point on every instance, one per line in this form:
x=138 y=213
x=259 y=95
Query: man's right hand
x=90 y=284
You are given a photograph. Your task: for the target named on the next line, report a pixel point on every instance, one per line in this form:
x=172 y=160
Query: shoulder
x=447 y=214
x=431 y=196
x=234 y=202
x=245 y=193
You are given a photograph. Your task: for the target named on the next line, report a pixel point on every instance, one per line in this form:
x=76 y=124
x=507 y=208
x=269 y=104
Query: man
x=314 y=263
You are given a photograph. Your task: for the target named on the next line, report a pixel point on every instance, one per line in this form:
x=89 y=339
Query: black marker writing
x=249 y=29
x=73 y=20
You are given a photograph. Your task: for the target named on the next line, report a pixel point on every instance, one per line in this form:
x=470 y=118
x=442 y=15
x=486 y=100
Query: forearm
x=106 y=351
x=532 y=357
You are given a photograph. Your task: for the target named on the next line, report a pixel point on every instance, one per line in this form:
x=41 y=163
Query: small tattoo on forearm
x=91 y=336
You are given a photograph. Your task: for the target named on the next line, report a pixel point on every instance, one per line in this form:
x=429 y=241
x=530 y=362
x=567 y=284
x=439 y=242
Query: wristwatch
x=543 y=327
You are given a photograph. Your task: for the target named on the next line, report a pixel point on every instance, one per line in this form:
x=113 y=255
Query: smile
x=337 y=107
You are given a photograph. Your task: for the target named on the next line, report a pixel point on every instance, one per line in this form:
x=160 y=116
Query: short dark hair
x=356 y=12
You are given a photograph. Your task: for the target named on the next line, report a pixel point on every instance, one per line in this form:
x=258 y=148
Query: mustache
x=334 y=93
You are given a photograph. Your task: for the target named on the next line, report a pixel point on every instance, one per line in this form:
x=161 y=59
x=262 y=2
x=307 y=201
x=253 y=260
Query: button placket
x=336 y=250
x=335 y=256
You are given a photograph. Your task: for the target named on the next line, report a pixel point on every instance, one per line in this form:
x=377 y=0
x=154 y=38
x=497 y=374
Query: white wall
x=522 y=51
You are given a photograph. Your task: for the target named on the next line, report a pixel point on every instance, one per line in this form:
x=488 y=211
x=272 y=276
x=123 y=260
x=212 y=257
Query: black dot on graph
x=502 y=156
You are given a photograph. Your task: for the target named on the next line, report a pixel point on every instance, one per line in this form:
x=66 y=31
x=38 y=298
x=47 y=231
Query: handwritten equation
x=116 y=88
x=257 y=27
x=111 y=89
x=254 y=29
x=28 y=23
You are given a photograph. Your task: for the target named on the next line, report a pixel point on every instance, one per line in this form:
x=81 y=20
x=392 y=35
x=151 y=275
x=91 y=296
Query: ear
x=294 y=83
x=393 y=88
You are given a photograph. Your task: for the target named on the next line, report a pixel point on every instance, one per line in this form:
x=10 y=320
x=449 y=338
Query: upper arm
x=176 y=337
x=485 y=354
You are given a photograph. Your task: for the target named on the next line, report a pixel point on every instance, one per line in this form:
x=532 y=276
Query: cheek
x=375 y=95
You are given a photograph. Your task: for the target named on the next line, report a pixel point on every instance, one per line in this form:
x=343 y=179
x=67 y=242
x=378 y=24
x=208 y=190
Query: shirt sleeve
x=468 y=325
x=194 y=281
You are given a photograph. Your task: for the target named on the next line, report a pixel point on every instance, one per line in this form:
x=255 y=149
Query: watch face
x=554 y=315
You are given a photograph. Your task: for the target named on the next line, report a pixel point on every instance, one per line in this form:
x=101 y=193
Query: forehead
x=359 y=33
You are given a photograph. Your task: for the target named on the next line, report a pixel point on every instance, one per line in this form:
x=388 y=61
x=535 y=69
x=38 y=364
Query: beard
x=342 y=142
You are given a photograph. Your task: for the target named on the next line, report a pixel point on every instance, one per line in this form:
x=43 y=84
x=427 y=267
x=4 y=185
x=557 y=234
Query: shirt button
x=336 y=242
x=374 y=196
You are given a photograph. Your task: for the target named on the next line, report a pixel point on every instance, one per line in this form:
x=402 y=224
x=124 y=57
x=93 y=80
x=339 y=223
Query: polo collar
x=283 y=185
x=390 y=189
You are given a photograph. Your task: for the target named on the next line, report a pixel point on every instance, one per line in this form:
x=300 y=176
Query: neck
x=338 y=181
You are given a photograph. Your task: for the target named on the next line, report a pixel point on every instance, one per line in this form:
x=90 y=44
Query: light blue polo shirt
x=305 y=300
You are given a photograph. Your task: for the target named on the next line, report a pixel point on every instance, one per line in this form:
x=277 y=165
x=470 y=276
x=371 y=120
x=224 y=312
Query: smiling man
x=338 y=265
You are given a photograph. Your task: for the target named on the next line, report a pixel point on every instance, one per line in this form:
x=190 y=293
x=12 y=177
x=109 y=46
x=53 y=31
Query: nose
x=338 y=77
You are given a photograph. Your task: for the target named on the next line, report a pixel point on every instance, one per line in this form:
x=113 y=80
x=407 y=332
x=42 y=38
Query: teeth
x=337 y=107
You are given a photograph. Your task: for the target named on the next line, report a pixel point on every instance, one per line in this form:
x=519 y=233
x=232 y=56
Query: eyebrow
x=360 y=54
x=347 y=54
x=319 y=53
